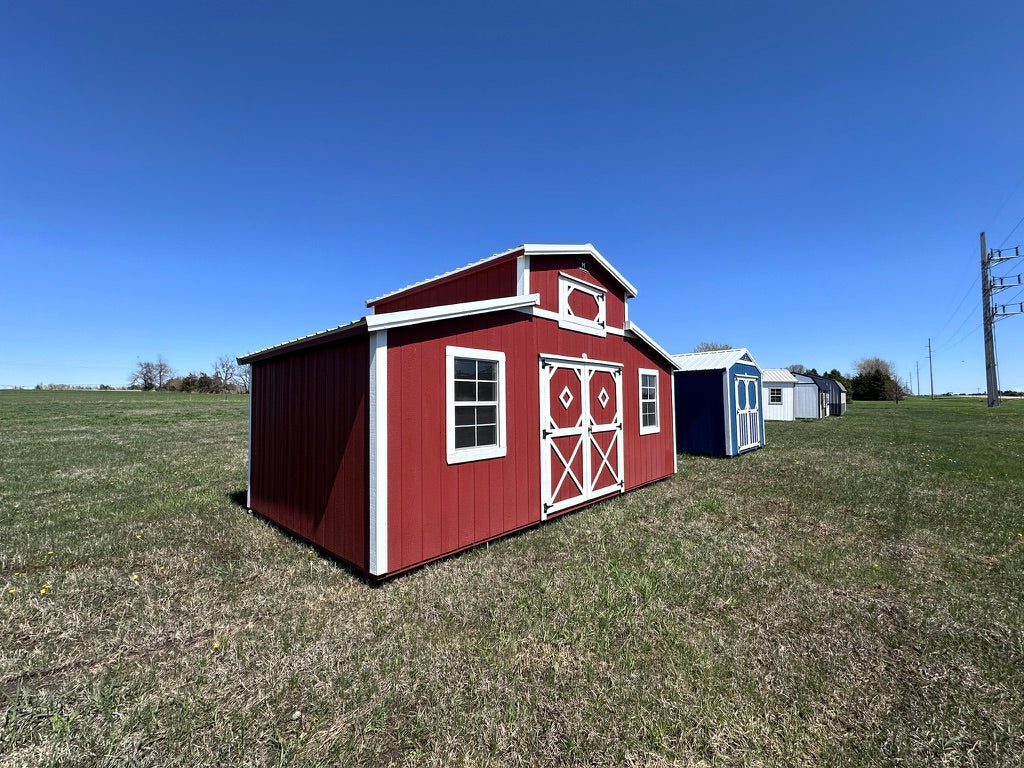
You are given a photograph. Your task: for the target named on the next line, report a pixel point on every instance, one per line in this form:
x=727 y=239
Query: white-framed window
x=775 y=395
x=650 y=418
x=475 y=404
x=581 y=306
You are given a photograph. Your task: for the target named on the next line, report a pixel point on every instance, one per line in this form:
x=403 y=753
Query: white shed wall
x=778 y=411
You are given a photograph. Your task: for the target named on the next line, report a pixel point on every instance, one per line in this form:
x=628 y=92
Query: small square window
x=475 y=404
x=775 y=395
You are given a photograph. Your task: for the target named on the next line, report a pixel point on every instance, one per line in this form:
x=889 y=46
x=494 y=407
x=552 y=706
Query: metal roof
x=529 y=249
x=777 y=376
x=399 y=319
x=804 y=378
x=719 y=360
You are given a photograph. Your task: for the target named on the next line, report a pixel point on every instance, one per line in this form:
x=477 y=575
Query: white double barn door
x=581 y=431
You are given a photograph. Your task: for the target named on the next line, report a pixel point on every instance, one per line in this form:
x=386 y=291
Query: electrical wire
x=973 y=285
x=1011 y=232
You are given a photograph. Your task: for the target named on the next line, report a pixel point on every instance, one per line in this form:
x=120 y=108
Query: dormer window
x=581 y=306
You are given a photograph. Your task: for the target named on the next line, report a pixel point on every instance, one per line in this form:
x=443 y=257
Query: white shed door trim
x=581 y=432
x=748 y=412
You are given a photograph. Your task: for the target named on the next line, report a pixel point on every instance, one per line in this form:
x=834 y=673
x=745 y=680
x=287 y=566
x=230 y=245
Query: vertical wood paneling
x=309 y=445
x=442 y=508
x=489 y=282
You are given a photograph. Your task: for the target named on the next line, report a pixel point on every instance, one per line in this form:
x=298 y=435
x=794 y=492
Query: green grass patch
x=849 y=595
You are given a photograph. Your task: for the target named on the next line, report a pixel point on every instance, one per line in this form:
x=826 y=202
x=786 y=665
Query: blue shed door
x=748 y=412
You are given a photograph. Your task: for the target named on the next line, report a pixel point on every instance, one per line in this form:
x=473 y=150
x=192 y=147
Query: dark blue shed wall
x=700 y=419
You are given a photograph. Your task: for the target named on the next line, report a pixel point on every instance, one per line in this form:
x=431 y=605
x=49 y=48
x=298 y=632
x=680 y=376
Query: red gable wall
x=493 y=280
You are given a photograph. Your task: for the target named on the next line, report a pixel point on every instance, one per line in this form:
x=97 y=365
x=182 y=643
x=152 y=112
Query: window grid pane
x=649 y=400
x=476 y=391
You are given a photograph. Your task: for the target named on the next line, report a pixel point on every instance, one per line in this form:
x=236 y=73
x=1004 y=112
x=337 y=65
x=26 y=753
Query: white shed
x=779 y=388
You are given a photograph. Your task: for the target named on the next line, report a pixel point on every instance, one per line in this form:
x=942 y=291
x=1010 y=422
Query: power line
x=963 y=322
x=952 y=314
x=1011 y=232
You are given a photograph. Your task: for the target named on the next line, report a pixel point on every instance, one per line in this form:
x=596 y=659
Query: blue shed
x=718 y=403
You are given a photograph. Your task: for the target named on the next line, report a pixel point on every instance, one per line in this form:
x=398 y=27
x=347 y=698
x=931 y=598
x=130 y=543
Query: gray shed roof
x=719 y=360
x=777 y=376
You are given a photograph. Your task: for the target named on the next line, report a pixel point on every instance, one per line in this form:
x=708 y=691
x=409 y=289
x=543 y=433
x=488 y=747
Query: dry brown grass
x=849 y=595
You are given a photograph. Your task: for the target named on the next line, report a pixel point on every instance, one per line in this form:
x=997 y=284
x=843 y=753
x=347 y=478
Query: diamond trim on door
x=596 y=455
x=565 y=398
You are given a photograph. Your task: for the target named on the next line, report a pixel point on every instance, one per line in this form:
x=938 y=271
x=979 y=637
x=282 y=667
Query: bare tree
x=796 y=368
x=144 y=376
x=225 y=369
x=162 y=371
x=245 y=377
x=868 y=365
x=711 y=346
x=896 y=390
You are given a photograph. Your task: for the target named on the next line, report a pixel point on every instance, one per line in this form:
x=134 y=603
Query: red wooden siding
x=488 y=281
x=309 y=452
x=435 y=508
x=544 y=280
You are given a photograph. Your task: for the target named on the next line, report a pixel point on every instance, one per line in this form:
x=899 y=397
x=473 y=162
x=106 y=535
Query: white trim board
x=378 y=440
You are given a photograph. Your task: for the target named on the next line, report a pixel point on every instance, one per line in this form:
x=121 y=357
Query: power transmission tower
x=992 y=312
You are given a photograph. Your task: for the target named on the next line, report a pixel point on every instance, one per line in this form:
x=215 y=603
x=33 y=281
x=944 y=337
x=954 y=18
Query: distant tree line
x=227 y=376
x=875 y=380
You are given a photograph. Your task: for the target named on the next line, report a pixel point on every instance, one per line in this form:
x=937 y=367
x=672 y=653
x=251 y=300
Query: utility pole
x=992 y=312
x=991 y=375
x=917 y=363
x=931 y=377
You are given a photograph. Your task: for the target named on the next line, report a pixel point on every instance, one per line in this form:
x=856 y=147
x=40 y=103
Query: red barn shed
x=467 y=406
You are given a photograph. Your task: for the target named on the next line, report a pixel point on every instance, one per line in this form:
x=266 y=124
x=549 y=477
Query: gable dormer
x=576 y=286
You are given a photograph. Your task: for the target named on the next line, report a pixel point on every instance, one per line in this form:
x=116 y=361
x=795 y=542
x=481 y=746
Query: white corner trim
x=675 y=449
x=731 y=438
x=448 y=311
x=378 y=453
x=523 y=275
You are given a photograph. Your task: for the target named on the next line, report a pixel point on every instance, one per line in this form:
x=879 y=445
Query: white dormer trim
x=567 y=285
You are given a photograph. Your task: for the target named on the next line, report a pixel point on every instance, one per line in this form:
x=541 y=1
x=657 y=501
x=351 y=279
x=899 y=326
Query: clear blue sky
x=804 y=179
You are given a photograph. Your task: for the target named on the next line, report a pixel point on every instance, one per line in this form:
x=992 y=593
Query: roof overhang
x=633 y=330
x=716 y=360
x=387 y=320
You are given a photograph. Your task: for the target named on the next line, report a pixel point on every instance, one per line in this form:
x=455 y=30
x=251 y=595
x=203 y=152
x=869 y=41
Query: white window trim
x=566 y=285
x=477 y=453
x=771 y=395
x=651 y=430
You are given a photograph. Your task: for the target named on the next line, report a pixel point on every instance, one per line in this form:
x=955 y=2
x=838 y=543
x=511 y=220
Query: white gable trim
x=448 y=311
x=634 y=329
x=535 y=249
x=531 y=249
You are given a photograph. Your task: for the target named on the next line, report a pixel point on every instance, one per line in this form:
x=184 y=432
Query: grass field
x=849 y=595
